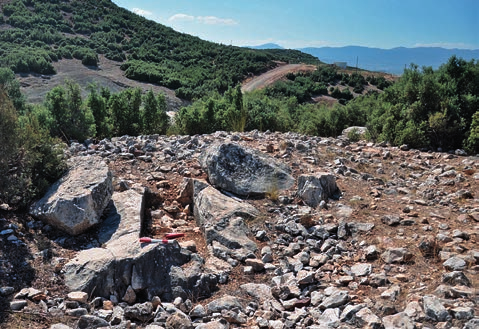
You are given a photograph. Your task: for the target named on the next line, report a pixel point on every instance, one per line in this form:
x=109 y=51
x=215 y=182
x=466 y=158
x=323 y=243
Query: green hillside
x=33 y=34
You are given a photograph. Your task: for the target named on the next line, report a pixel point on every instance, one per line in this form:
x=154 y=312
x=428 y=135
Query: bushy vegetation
x=31 y=155
x=30 y=159
x=425 y=108
x=306 y=85
x=41 y=32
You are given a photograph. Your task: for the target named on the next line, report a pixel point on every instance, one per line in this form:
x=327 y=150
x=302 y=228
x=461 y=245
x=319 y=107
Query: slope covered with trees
x=36 y=33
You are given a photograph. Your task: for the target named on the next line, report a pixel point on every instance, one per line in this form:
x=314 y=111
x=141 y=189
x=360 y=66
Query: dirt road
x=274 y=75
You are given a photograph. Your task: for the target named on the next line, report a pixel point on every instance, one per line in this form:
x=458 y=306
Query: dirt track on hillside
x=274 y=75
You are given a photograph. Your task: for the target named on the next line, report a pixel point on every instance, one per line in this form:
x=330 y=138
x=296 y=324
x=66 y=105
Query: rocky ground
x=398 y=249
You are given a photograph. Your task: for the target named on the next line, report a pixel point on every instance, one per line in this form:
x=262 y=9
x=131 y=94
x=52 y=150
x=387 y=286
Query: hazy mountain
x=266 y=46
x=389 y=60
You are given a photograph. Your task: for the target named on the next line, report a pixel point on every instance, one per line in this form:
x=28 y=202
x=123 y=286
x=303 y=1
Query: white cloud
x=181 y=17
x=213 y=20
x=447 y=45
x=142 y=12
x=209 y=20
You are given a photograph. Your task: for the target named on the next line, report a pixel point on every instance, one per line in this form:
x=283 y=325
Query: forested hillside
x=33 y=34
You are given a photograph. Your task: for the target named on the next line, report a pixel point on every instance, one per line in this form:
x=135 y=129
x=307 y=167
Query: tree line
x=425 y=108
x=31 y=135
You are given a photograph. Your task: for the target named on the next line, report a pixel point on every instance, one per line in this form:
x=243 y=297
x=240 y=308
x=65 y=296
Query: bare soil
x=107 y=74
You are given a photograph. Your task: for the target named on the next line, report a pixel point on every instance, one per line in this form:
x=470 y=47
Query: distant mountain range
x=385 y=60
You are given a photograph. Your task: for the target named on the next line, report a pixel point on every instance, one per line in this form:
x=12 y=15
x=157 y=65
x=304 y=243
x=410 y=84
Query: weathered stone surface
x=178 y=321
x=399 y=320
x=347 y=315
x=361 y=269
x=338 y=298
x=259 y=291
x=221 y=324
x=365 y=318
x=17 y=305
x=79 y=296
x=222 y=219
x=224 y=303
x=244 y=171
x=396 y=255
x=91 y=322
x=455 y=264
x=313 y=189
x=456 y=278
x=414 y=311
x=124 y=215
x=141 y=312
x=434 y=309
x=472 y=324
x=123 y=262
x=462 y=313
x=76 y=202
x=390 y=220
x=360 y=130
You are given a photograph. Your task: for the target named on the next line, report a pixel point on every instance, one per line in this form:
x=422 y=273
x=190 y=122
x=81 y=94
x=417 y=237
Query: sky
x=319 y=23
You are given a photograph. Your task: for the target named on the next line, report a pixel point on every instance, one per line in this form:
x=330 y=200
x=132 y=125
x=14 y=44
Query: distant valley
x=385 y=60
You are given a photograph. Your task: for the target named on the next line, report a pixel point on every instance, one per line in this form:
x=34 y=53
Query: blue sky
x=317 y=23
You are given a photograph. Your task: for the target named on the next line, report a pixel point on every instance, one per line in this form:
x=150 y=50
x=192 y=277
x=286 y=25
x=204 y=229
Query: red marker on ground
x=150 y=240
x=174 y=235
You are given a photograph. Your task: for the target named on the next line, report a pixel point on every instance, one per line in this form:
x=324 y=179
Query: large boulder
x=123 y=262
x=76 y=202
x=244 y=171
x=312 y=189
x=222 y=220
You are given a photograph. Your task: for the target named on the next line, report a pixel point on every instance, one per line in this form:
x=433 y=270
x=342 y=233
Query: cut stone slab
x=123 y=261
x=244 y=171
x=222 y=219
x=313 y=189
x=124 y=215
x=76 y=201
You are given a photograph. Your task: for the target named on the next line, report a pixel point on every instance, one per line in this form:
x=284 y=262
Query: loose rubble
x=351 y=235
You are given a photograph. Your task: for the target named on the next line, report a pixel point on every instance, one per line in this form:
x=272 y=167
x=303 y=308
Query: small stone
x=256 y=264
x=198 y=312
x=456 y=278
x=79 y=296
x=455 y=264
x=130 y=295
x=462 y=313
x=367 y=319
x=18 y=305
x=434 y=309
x=390 y=220
x=76 y=312
x=107 y=305
x=361 y=269
x=6 y=291
x=90 y=321
x=338 y=298
x=396 y=255
x=399 y=320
